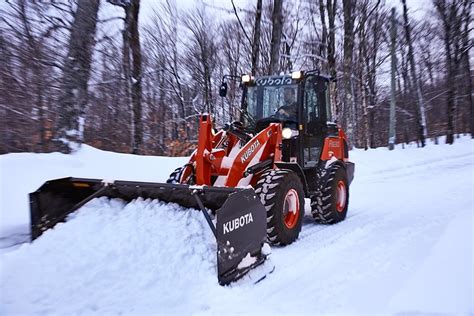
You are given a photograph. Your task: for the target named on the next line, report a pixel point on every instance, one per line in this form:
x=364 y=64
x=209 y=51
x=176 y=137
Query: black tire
x=274 y=188
x=330 y=202
x=175 y=176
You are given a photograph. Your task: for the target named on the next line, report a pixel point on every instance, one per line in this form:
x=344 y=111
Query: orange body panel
x=334 y=146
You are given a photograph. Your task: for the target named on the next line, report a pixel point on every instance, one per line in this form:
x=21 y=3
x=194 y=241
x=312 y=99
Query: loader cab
x=271 y=99
x=300 y=102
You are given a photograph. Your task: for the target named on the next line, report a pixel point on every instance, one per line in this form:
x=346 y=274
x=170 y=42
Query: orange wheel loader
x=249 y=179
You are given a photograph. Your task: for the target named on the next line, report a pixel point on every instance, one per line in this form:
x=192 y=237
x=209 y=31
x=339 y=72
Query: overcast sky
x=417 y=8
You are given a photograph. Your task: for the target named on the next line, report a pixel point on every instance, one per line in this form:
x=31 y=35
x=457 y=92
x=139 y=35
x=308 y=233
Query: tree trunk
x=256 y=37
x=404 y=71
x=393 y=36
x=331 y=8
x=448 y=15
x=76 y=74
x=372 y=77
x=127 y=72
x=162 y=110
x=324 y=34
x=34 y=49
x=346 y=116
x=421 y=116
x=174 y=62
x=277 y=31
x=136 y=77
x=467 y=64
x=363 y=63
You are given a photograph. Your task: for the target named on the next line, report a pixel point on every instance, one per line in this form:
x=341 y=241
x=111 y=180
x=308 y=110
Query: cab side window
x=311 y=101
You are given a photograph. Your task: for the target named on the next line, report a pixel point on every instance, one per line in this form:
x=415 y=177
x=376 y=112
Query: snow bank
x=22 y=173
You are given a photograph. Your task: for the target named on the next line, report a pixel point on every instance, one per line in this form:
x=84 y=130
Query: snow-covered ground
x=405 y=247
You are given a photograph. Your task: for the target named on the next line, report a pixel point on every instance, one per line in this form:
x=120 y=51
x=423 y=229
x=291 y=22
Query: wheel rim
x=341 y=196
x=291 y=208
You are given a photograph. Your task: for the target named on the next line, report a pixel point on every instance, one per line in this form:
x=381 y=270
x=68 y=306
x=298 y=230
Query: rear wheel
x=281 y=192
x=329 y=204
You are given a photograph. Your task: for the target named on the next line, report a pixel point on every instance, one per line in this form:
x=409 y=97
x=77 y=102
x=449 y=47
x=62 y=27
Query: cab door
x=315 y=103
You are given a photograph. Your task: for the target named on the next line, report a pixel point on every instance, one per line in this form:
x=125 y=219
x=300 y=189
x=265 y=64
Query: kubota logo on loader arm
x=237 y=223
x=250 y=151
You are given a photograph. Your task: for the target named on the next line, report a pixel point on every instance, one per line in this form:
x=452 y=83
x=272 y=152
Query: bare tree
x=256 y=37
x=393 y=37
x=277 y=32
x=29 y=53
x=132 y=65
x=420 y=112
x=467 y=44
x=449 y=15
x=164 y=37
x=331 y=7
x=134 y=38
x=346 y=116
x=323 y=46
x=233 y=63
x=76 y=74
x=201 y=55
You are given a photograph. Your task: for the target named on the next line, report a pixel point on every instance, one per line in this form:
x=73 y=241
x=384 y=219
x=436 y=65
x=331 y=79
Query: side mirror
x=223 y=89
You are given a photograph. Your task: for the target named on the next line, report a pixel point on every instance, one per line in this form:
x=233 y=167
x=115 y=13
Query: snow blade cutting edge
x=240 y=228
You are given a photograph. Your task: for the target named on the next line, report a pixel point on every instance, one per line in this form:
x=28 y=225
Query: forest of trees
x=91 y=71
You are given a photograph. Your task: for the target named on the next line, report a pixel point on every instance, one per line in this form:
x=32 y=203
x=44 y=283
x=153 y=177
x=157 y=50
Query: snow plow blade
x=240 y=218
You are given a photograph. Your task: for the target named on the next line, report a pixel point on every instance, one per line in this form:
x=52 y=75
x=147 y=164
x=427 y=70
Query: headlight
x=286 y=133
x=246 y=78
x=296 y=75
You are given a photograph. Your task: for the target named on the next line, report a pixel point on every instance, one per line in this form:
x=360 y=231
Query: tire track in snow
x=452 y=162
x=382 y=237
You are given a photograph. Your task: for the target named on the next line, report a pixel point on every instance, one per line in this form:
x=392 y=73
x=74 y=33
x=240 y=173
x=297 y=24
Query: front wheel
x=184 y=174
x=281 y=192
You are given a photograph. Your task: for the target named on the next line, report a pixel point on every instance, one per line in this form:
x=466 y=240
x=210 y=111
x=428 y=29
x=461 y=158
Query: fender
x=335 y=146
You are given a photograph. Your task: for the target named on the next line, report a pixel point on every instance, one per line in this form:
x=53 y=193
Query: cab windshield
x=273 y=97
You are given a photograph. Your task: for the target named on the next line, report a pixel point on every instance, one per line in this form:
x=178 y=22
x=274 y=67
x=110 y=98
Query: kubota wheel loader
x=250 y=179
